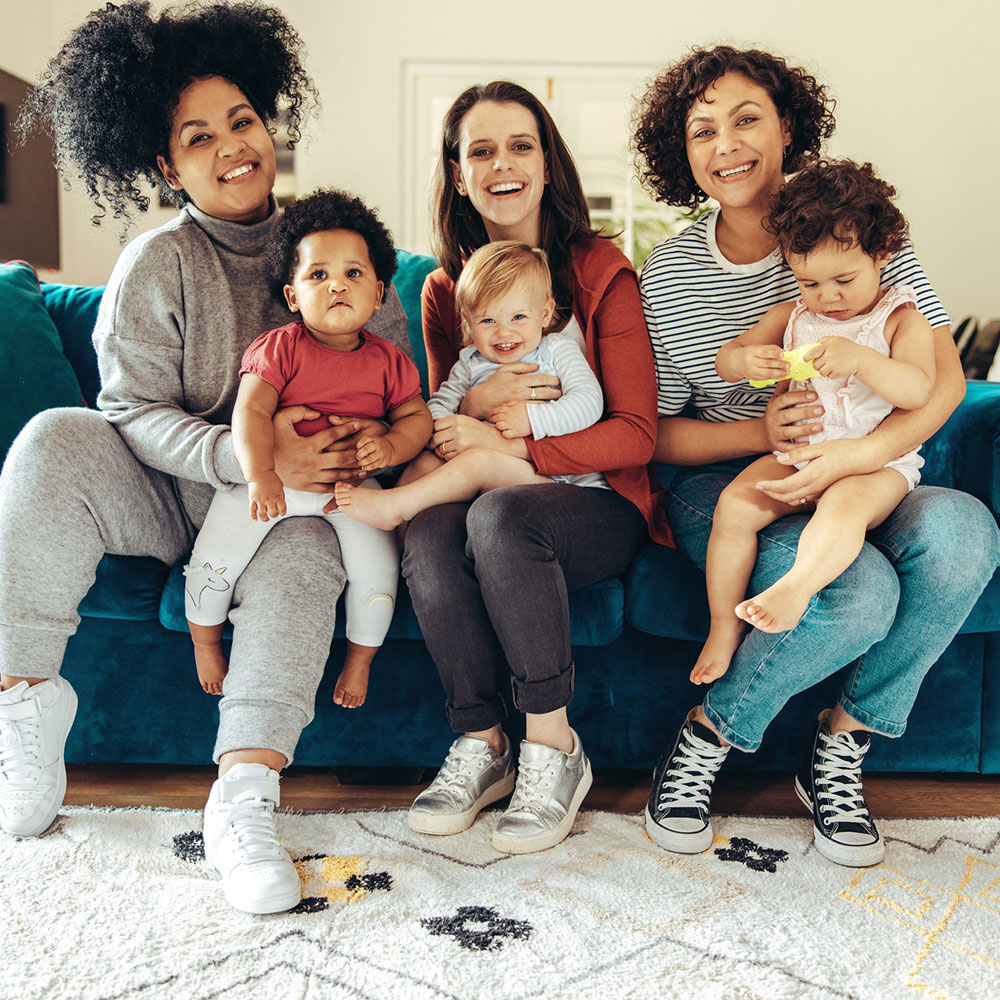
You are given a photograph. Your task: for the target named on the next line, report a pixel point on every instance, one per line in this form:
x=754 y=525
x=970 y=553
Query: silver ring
x=444 y=450
x=532 y=396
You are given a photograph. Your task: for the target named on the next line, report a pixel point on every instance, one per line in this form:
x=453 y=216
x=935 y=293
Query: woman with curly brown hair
x=727 y=124
x=184 y=99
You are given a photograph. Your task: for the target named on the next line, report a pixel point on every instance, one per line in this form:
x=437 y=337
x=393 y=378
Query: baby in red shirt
x=332 y=260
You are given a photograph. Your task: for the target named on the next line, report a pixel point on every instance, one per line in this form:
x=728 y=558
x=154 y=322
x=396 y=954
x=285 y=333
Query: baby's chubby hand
x=374 y=453
x=511 y=420
x=836 y=357
x=267 y=497
x=764 y=362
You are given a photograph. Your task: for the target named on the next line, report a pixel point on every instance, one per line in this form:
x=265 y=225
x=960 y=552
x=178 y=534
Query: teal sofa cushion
x=73 y=309
x=411 y=270
x=34 y=373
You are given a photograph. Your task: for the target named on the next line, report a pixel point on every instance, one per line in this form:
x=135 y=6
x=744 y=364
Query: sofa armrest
x=965 y=453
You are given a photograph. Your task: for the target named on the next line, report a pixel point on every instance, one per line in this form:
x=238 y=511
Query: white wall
x=916 y=84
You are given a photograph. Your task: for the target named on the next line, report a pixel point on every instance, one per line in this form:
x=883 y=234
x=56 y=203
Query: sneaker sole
x=49 y=817
x=506 y=844
x=276 y=902
x=677 y=842
x=444 y=825
x=862 y=856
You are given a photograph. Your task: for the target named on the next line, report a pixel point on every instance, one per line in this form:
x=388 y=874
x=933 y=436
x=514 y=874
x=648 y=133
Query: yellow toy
x=798 y=369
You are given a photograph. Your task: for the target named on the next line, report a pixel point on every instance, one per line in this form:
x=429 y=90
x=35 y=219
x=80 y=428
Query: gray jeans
x=71 y=490
x=490 y=584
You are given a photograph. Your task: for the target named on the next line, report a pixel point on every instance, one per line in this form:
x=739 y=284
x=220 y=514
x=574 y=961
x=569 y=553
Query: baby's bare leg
x=829 y=543
x=209 y=659
x=352 y=684
x=425 y=463
x=462 y=478
x=741 y=512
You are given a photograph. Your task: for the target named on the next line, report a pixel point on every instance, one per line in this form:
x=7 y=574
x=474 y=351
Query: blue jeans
x=891 y=614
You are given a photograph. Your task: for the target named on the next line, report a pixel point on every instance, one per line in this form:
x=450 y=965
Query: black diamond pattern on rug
x=479 y=928
x=760 y=859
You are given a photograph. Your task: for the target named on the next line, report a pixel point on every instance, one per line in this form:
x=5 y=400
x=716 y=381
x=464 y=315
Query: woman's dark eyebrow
x=707 y=118
x=201 y=123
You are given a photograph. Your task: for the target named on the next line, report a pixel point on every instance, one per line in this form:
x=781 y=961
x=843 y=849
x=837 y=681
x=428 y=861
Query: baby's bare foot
x=210 y=662
x=352 y=686
x=715 y=656
x=777 y=609
x=375 y=507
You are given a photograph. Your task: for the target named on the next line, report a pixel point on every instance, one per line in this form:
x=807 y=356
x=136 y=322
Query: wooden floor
x=748 y=794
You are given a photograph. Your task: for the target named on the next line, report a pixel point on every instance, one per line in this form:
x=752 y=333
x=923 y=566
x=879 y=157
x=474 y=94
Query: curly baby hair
x=565 y=216
x=494 y=270
x=661 y=115
x=326 y=208
x=109 y=95
x=840 y=200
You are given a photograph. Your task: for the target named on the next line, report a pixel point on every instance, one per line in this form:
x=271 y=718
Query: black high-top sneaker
x=677 y=811
x=829 y=783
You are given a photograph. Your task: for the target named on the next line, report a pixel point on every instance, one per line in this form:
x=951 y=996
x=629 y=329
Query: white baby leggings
x=229 y=538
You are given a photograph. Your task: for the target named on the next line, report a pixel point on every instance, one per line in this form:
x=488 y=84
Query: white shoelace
x=458 y=766
x=251 y=819
x=535 y=779
x=20 y=752
x=691 y=779
x=838 y=780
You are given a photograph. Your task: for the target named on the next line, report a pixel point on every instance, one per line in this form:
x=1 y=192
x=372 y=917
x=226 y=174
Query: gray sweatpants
x=71 y=490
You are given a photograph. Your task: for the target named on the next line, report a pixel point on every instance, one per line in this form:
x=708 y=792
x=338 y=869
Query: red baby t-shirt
x=367 y=382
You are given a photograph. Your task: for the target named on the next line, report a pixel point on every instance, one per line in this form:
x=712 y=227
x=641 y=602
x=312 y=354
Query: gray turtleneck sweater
x=182 y=305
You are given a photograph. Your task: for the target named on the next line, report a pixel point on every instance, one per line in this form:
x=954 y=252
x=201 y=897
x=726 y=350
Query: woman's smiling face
x=501 y=169
x=221 y=153
x=735 y=143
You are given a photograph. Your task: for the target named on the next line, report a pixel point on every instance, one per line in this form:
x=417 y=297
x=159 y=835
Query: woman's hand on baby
x=511 y=420
x=312 y=463
x=828 y=461
x=511 y=383
x=267 y=497
x=457 y=433
x=784 y=416
x=836 y=357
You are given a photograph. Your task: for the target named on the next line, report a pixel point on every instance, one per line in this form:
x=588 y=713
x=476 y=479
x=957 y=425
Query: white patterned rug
x=117 y=903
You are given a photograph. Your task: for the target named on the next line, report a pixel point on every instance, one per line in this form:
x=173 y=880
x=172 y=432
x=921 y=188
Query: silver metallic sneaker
x=551 y=785
x=472 y=776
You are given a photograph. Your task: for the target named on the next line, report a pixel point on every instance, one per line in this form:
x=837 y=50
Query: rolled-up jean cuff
x=258 y=725
x=31 y=652
x=877 y=725
x=478 y=718
x=726 y=731
x=540 y=697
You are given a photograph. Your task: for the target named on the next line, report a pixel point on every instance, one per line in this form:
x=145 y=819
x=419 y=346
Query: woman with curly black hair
x=184 y=99
x=727 y=124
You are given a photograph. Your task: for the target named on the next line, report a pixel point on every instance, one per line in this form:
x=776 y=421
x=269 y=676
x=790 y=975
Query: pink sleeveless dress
x=851 y=409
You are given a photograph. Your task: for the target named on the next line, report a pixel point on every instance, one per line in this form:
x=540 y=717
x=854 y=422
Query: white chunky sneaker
x=241 y=842
x=34 y=724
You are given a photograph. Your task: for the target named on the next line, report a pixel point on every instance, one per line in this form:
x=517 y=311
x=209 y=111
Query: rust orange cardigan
x=607 y=306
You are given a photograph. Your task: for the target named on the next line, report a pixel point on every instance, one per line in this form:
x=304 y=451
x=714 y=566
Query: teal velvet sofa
x=635 y=639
